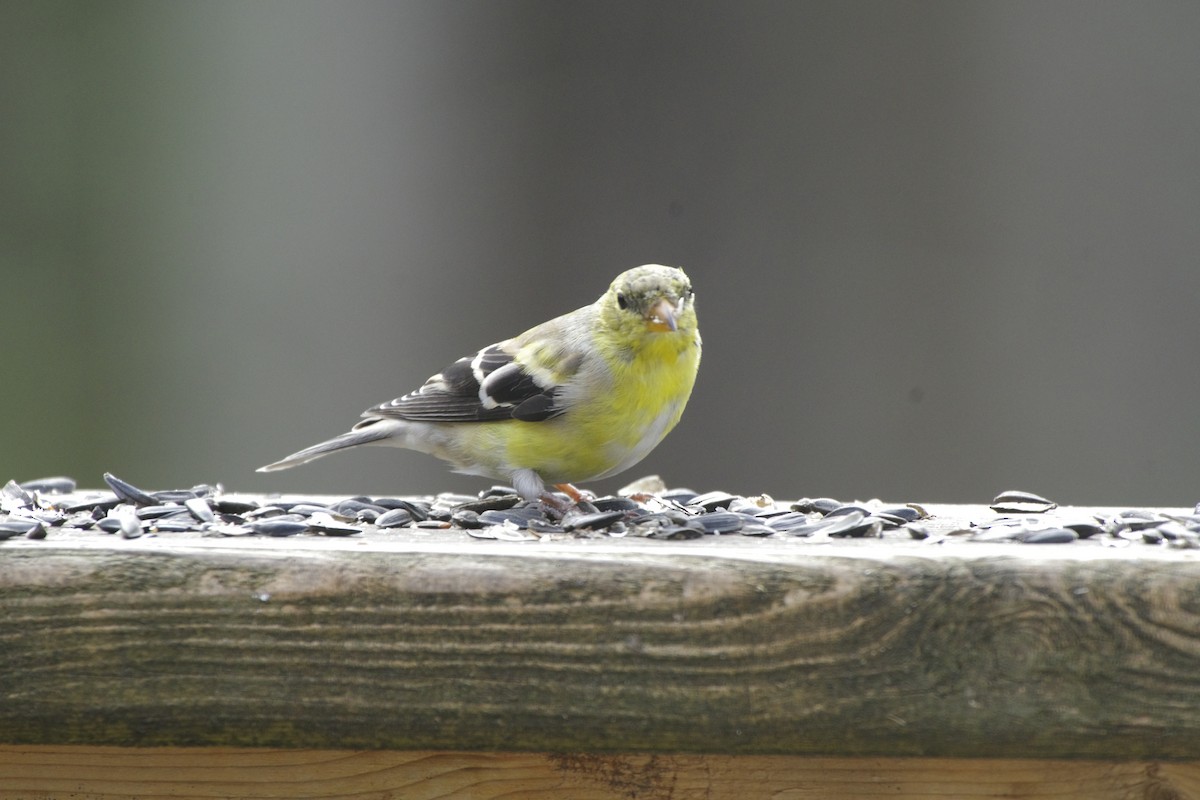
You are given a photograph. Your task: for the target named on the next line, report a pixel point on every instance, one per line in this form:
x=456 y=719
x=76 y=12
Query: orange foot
x=576 y=495
x=577 y=499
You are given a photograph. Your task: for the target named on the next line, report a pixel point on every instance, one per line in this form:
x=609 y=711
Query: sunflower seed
x=711 y=501
x=183 y=495
x=131 y=526
x=1047 y=536
x=676 y=533
x=1134 y=520
x=128 y=492
x=394 y=518
x=227 y=506
x=105 y=503
x=538 y=525
x=353 y=507
x=917 y=531
x=615 y=504
x=264 y=512
x=200 y=509
x=1016 y=502
x=497 y=502
x=308 y=509
x=1084 y=527
x=906 y=513
x=154 y=512
x=326 y=524
x=791 y=522
x=418 y=509
x=466 y=518
x=505 y=533
x=277 y=527
x=719 y=522
x=57 y=485
x=1171 y=531
x=821 y=505
x=681 y=496
x=518 y=517
x=853 y=524
x=596 y=521
x=667 y=516
x=14 y=526
x=13 y=497
x=109 y=525
x=864 y=527
x=174 y=525
x=848 y=508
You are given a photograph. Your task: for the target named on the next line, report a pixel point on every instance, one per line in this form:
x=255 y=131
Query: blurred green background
x=940 y=248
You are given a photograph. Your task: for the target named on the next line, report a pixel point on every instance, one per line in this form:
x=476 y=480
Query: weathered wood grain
x=76 y=773
x=625 y=646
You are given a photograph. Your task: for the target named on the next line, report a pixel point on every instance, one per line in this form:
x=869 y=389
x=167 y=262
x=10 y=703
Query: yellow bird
x=581 y=397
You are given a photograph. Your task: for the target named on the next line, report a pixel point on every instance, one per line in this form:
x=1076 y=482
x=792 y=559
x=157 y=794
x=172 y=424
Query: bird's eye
x=622 y=300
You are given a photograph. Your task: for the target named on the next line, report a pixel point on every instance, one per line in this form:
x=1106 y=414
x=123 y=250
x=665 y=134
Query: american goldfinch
x=580 y=397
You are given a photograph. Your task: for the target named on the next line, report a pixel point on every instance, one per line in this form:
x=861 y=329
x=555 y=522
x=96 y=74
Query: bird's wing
x=520 y=378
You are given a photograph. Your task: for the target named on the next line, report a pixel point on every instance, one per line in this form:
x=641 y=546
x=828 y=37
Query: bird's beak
x=661 y=316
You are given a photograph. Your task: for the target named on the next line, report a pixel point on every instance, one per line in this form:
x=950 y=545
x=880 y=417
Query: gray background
x=940 y=249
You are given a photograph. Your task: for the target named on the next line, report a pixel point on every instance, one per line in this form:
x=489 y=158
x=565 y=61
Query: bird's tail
x=368 y=434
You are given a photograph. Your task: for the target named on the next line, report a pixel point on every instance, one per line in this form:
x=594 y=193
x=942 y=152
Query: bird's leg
x=554 y=506
x=578 y=501
x=576 y=495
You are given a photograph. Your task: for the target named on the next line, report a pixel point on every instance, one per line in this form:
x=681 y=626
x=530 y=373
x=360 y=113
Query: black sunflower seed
x=128 y=492
x=324 y=523
x=353 y=507
x=906 y=513
x=848 y=508
x=174 y=525
x=308 y=509
x=820 y=505
x=685 y=496
x=56 y=485
x=394 y=518
x=497 y=502
x=1047 y=536
x=538 y=525
x=1084 y=528
x=596 y=521
x=466 y=518
x=789 y=522
x=615 y=504
x=12 y=527
x=711 y=501
x=154 y=512
x=1016 y=502
x=278 y=527
x=519 y=517
x=719 y=522
x=676 y=533
x=227 y=506
x=417 y=508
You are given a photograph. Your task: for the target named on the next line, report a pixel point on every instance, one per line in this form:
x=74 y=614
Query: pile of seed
x=34 y=508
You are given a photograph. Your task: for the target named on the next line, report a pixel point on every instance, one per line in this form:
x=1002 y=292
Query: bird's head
x=650 y=299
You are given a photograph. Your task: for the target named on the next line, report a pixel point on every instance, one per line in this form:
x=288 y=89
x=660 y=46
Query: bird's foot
x=577 y=495
x=575 y=500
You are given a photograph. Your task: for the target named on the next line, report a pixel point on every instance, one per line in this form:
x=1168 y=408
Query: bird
x=580 y=397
